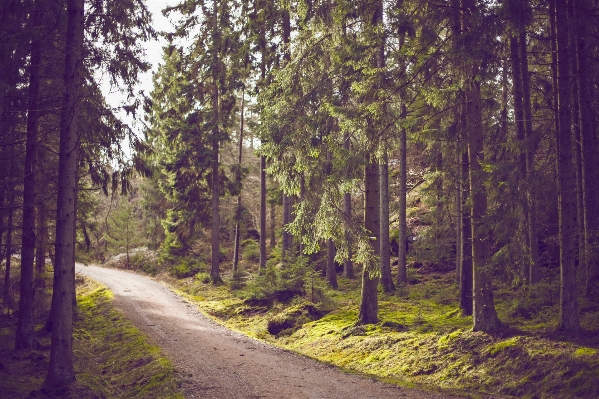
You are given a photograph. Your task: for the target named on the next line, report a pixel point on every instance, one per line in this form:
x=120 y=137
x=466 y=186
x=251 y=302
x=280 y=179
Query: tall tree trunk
x=566 y=182
x=590 y=145
x=520 y=137
x=24 y=337
x=369 y=296
x=215 y=262
x=484 y=314
x=466 y=273
x=577 y=152
x=533 y=236
x=262 y=264
x=402 y=237
x=348 y=264
x=385 y=250
x=6 y=297
x=60 y=370
x=238 y=183
x=273 y=225
x=286 y=236
x=331 y=272
x=42 y=231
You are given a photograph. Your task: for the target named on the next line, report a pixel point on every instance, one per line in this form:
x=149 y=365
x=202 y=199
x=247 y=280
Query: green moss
x=503 y=345
x=580 y=352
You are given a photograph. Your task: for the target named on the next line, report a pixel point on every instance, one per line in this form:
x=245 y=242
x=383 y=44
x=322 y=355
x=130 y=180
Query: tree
x=484 y=314
x=60 y=371
x=566 y=191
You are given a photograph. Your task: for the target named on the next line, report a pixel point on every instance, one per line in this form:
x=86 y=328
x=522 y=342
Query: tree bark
x=215 y=261
x=24 y=337
x=286 y=236
x=567 y=195
x=60 y=370
x=348 y=264
x=238 y=182
x=262 y=264
x=520 y=137
x=466 y=277
x=385 y=250
x=369 y=294
x=484 y=314
x=402 y=237
x=529 y=138
x=6 y=297
x=590 y=146
x=331 y=272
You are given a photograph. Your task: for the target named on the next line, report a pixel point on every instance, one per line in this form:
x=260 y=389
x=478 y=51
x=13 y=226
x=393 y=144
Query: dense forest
x=288 y=141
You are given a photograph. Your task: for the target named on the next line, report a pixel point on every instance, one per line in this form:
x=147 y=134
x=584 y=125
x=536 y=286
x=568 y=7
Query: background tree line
x=485 y=111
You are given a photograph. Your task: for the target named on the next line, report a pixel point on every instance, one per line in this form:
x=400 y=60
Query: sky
x=153 y=50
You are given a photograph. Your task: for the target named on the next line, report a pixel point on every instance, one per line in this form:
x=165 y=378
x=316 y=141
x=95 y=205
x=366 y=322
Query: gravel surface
x=216 y=362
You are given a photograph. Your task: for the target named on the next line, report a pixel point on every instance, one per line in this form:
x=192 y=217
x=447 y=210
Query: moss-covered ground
x=422 y=338
x=112 y=359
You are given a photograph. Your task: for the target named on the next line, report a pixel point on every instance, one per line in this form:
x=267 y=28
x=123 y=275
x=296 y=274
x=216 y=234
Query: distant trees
x=471 y=105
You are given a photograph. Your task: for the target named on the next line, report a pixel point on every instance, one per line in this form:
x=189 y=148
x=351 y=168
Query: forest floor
x=112 y=358
x=216 y=362
x=421 y=338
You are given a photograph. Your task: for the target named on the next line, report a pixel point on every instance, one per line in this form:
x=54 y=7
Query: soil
x=215 y=362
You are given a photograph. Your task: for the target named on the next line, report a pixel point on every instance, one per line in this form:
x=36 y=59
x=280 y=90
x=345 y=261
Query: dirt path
x=216 y=362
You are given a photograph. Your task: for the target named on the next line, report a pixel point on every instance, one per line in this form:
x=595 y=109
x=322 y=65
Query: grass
x=422 y=339
x=112 y=359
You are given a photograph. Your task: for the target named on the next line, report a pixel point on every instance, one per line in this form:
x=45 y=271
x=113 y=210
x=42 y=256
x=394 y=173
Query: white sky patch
x=153 y=54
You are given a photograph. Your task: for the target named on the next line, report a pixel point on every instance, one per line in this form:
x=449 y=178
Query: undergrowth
x=422 y=337
x=112 y=359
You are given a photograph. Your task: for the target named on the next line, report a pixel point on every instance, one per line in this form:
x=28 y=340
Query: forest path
x=215 y=362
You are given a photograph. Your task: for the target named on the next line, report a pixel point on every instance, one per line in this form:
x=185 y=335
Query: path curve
x=218 y=363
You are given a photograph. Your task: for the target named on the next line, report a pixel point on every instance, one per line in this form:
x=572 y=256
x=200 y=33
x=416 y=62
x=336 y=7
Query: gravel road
x=216 y=362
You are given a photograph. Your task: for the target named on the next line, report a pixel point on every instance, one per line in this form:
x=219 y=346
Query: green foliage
x=145 y=261
x=187 y=267
x=250 y=250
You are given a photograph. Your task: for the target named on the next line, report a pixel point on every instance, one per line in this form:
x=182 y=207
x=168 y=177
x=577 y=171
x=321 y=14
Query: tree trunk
x=42 y=231
x=331 y=272
x=533 y=236
x=238 y=183
x=484 y=314
x=273 y=225
x=215 y=262
x=577 y=152
x=369 y=294
x=520 y=137
x=60 y=370
x=590 y=146
x=466 y=277
x=348 y=265
x=262 y=265
x=24 y=338
x=6 y=297
x=286 y=237
x=566 y=182
x=385 y=250
x=402 y=238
